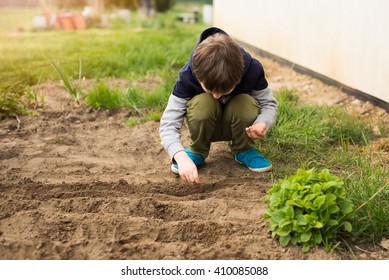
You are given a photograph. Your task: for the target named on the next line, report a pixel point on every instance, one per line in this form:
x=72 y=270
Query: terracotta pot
x=67 y=22
x=64 y=21
x=79 y=21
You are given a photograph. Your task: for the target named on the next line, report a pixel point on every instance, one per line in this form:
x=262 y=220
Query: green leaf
x=347 y=226
x=331 y=198
x=333 y=209
x=297 y=202
x=316 y=189
x=284 y=223
x=273 y=226
x=317 y=237
x=284 y=240
x=309 y=205
x=300 y=220
x=289 y=212
x=319 y=201
x=309 y=197
x=296 y=196
x=318 y=225
x=305 y=248
x=268 y=213
x=275 y=199
x=295 y=240
x=306 y=236
x=278 y=216
x=286 y=185
x=340 y=192
x=329 y=185
x=332 y=223
x=310 y=218
x=284 y=231
x=346 y=207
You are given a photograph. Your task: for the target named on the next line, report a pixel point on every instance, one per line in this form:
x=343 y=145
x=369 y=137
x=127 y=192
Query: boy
x=223 y=95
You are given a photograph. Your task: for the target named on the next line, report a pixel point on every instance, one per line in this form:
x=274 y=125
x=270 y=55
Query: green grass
x=305 y=136
x=74 y=89
x=106 y=98
x=158 y=47
x=103 y=53
x=367 y=183
x=17 y=19
x=311 y=130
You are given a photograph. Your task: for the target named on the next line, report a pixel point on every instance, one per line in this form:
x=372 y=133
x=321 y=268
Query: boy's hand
x=187 y=168
x=257 y=131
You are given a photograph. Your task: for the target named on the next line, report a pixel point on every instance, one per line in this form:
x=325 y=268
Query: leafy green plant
x=19 y=100
x=308 y=209
x=11 y=105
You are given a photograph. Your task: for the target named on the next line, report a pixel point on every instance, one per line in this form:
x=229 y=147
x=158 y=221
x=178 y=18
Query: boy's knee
x=203 y=107
x=244 y=107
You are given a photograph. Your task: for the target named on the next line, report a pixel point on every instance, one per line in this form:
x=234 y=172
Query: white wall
x=347 y=41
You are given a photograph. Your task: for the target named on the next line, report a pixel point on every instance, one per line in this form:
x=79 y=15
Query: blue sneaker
x=196 y=158
x=253 y=160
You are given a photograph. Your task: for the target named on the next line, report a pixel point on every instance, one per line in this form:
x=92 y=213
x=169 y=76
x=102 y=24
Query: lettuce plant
x=308 y=209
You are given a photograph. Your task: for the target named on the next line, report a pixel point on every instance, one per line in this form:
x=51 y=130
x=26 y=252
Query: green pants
x=209 y=121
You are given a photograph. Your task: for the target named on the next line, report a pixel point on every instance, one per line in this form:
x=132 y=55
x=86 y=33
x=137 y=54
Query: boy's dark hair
x=217 y=63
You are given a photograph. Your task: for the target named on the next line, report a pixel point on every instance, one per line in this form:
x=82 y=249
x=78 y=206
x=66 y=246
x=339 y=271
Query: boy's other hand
x=256 y=131
x=186 y=168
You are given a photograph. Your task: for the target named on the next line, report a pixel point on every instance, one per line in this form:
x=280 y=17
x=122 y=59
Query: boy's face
x=214 y=94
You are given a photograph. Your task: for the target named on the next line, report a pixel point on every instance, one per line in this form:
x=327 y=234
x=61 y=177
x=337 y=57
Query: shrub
x=308 y=209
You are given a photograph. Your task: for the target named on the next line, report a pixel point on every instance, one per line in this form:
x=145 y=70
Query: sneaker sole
x=174 y=170
x=263 y=169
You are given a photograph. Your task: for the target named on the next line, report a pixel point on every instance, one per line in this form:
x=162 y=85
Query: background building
x=345 y=41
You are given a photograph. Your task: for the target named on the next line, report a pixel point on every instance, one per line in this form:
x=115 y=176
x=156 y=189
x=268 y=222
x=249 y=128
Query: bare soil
x=76 y=183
